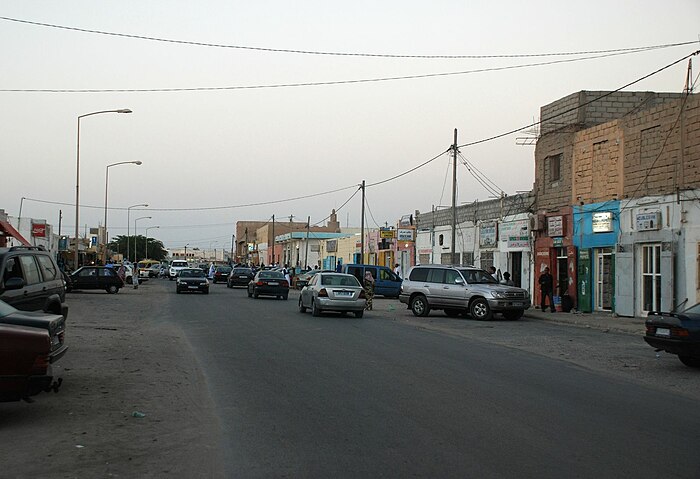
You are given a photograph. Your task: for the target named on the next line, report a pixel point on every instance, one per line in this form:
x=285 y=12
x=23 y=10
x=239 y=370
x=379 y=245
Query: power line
x=370 y=213
x=308 y=84
x=480 y=176
x=339 y=208
x=329 y=53
x=407 y=171
x=501 y=135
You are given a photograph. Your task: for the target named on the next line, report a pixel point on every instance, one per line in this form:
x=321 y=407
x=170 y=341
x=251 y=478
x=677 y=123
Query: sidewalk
x=603 y=321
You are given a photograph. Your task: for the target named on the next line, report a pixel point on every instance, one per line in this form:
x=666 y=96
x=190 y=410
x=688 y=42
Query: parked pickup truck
x=30 y=342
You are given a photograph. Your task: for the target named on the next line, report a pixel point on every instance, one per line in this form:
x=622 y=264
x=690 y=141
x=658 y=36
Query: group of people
x=502 y=279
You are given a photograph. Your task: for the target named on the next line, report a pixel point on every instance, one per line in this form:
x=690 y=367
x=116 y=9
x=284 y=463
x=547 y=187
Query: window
x=107 y=272
x=31 y=270
x=485 y=259
x=451 y=276
x=467 y=259
x=12 y=269
x=441 y=240
x=419 y=274
x=436 y=275
x=88 y=272
x=554 y=167
x=48 y=267
x=386 y=275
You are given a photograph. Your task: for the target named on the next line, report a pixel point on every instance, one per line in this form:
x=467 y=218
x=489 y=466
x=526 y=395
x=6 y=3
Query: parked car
x=31 y=281
x=95 y=277
x=461 y=290
x=268 y=283
x=239 y=276
x=676 y=333
x=176 y=266
x=151 y=271
x=333 y=292
x=221 y=274
x=386 y=282
x=191 y=279
x=298 y=282
x=30 y=342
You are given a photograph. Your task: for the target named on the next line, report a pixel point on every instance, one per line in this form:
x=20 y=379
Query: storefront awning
x=6 y=229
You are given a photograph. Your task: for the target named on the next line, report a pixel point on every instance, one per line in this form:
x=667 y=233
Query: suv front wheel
x=480 y=310
x=419 y=306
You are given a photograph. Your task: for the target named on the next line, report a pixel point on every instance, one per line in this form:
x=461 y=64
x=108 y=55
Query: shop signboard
x=555 y=226
x=515 y=234
x=386 y=233
x=39 y=230
x=332 y=246
x=404 y=234
x=649 y=221
x=488 y=234
x=602 y=222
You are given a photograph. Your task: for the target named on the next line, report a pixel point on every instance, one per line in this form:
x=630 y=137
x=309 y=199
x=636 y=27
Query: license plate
x=343 y=293
x=663 y=332
x=193 y=287
x=243 y=276
x=517 y=304
x=271 y=283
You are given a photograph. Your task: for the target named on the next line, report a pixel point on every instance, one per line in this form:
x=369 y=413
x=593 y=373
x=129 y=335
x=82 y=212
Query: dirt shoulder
x=124 y=357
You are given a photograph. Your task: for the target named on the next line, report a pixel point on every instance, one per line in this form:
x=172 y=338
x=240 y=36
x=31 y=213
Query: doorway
x=516 y=268
x=604 y=279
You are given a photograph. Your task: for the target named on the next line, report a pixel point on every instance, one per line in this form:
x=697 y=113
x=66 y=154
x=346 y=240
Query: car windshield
x=192 y=273
x=695 y=309
x=477 y=276
x=242 y=271
x=179 y=264
x=223 y=269
x=339 y=280
x=270 y=274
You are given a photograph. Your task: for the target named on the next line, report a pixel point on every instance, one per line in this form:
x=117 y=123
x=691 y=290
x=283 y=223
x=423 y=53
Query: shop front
x=596 y=231
x=555 y=249
x=514 y=244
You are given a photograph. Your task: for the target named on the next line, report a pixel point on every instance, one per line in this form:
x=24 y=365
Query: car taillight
x=362 y=294
x=680 y=332
x=285 y=284
x=651 y=330
x=259 y=283
x=323 y=293
x=41 y=364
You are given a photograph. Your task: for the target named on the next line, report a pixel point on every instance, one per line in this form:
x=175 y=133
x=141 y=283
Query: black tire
x=112 y=289
x=513 y=315
x=206 y=291
x=302 y=308
x=284 y=297
x=129 y=280
x=419 y=306
x=480 y=310
x=359 y=314
x=452 y=313
x=255 y=295
x=690 y=361
x=315 y=310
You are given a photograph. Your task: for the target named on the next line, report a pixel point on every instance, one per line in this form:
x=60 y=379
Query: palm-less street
x=336 y=396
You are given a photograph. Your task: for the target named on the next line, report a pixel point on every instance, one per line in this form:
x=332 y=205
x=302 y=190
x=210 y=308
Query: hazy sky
x=204 y=149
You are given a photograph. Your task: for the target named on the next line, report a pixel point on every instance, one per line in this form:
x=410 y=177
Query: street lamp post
x=77 y=178
x=128 y=231
x=149 y=228
x=186 y=251
x=141 y=218
x=106 y=238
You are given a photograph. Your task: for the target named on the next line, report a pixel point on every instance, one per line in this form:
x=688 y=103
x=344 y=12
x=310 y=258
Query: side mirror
x=459 y=281
x=14 y=283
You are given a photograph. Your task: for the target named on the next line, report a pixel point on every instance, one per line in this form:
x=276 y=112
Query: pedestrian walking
x=369 y=290
x=397 y=270
x=121 y=272
x=212 y=268
x=546 y=283
x=339 y=267
x=285 y=272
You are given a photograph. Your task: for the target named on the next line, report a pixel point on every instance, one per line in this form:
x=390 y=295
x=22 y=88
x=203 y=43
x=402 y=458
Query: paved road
x=299 y=396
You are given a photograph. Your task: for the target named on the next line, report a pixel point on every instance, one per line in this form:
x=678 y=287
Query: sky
x=205 y=153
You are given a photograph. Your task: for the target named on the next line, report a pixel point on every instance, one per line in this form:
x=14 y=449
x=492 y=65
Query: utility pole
x=231 y=259
x=362 y=227
x=273 y=239
x=306 y=253
x=454 y=198
x=60 y=220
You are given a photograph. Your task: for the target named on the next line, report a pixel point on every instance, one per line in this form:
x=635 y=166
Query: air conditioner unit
x=537 y=222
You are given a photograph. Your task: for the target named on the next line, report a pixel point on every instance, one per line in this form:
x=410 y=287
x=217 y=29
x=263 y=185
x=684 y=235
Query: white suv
x=175 y=267
x=459 y=290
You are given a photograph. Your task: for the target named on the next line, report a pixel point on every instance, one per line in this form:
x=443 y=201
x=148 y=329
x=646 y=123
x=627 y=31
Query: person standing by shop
x=368 y=284
x=546 y=288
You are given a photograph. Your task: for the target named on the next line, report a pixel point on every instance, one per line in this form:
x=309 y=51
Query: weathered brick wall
x=597 y=164
x=613 y=106
x=477 y=211
x=662 y=149
x=553 y=194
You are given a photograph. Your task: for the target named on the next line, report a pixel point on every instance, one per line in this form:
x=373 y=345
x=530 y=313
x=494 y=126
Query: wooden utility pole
x=273 y=239
x=454 y=199
x=362 y=227
x=306 y=252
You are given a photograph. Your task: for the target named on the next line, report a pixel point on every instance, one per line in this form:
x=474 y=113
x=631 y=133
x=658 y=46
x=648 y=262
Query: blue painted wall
x=584 y=237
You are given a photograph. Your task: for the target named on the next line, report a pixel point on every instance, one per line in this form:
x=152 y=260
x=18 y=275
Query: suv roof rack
x=27 y=248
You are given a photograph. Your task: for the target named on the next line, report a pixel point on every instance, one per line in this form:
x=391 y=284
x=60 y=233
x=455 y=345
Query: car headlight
x=497 y=294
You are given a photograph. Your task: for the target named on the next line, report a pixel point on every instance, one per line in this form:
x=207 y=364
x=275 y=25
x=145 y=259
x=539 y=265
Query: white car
x=175 y=267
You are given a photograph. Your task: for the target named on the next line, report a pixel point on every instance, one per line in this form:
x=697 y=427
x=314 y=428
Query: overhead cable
x=327 y=53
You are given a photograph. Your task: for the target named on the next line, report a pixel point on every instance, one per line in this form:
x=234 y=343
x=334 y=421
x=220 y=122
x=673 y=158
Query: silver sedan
x=333 y=292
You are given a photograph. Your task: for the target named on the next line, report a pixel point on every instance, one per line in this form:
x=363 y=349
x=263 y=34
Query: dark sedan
x=240 y=277
x=676 y=333
x=192 y=279
x=95 y=277
x=268 y=283
x=221 y=274
x=29 y=343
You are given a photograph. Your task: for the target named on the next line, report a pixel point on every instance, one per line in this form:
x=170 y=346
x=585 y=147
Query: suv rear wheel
x=480 y=310
x=419 y=306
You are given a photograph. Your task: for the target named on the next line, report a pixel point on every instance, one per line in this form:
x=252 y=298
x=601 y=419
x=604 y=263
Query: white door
x=651 y=278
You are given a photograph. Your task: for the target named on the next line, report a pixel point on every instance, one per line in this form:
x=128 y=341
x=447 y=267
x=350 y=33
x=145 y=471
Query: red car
x=29 y=343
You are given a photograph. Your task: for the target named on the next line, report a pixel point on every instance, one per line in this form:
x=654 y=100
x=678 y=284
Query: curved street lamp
x=141 y=218
x=77 y=178
x=138 y=163
x=128 y=231
x=149 y=228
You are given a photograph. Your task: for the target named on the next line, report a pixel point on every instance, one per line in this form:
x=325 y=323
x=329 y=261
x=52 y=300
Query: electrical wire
x=407 y=171
x=493 y=188
x=307 y=84
x=370 y=213
x=444 y=183
x=339 y=208
x=537 y=123
x=312 y=52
